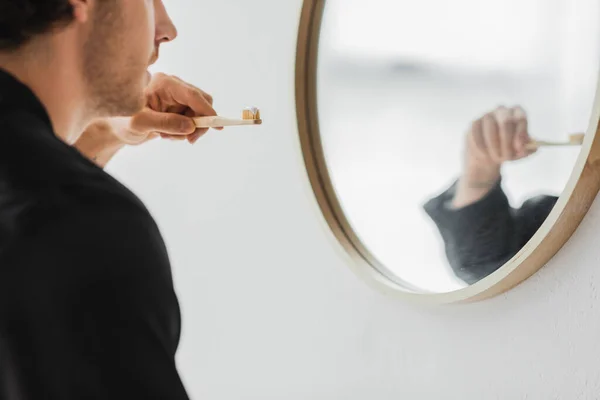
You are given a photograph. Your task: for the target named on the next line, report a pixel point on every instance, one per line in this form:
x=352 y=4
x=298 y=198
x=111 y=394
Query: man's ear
x=81 y=9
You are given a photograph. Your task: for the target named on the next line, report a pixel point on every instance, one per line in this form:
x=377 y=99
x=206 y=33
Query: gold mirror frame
x=571 y=207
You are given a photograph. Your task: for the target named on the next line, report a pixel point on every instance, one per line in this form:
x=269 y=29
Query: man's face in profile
x=123 y=40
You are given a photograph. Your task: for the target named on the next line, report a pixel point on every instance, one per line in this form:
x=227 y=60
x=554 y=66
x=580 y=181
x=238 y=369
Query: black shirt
x=483 y=236
x=87 y=306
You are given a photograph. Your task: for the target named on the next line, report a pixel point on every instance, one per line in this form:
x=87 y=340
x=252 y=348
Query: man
x=87 y=306
x=481 y=232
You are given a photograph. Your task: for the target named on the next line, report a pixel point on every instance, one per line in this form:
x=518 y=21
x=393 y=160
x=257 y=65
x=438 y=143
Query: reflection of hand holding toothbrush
x=499 y=136
x=480 y=229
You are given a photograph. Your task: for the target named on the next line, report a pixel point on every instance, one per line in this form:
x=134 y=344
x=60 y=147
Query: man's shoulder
x=92 y=247
x=26 y=202
x=105 y=224
x=86 y=244
x=21 y=123
x=44 y=181
x=106 y=213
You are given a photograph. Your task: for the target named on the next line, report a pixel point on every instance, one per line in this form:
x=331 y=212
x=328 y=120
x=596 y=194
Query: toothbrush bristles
x=251 y=113
x=577 y=138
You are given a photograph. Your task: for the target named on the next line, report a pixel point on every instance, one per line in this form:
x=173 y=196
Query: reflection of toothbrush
x=250 y=116
x=574 y=140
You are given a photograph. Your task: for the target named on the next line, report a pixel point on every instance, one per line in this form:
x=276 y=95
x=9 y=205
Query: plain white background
x=270 y=309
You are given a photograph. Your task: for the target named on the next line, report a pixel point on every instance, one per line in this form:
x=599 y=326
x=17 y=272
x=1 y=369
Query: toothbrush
x=574 y=140
x=250 y=116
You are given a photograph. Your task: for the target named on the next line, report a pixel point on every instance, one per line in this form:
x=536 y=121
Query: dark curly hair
x=21 y=20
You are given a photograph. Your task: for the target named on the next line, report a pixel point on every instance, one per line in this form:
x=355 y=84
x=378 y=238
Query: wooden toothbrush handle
x=219 y=122
x=536 y=144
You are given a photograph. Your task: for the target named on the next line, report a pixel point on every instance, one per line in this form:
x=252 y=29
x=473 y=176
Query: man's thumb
x=169 y=123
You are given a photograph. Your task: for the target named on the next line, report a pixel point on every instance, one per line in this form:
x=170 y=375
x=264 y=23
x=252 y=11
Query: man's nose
x=165 y=29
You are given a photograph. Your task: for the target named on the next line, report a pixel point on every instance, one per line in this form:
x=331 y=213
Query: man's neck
x=53 y=78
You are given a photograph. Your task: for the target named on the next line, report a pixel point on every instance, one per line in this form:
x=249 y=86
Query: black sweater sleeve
x=93 y=313
x=483 y=236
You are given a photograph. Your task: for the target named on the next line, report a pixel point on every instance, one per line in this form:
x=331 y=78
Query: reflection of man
x=87 y=306
x=480 y=230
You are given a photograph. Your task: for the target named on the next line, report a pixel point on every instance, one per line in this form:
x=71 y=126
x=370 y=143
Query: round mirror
x=450 y=143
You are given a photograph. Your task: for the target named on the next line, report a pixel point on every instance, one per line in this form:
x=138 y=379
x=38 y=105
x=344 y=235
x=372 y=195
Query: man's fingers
x=519 y=113
x=194 y=99
x=190 y=113
x=506 y=126
x=153 y=135
x=193 y=138
x=182 y=102
x=492 y=137
x=476 y=142
x=521 y=131
x=178 y=138
x=168 y=123
x=521 y=142
x=206 y=96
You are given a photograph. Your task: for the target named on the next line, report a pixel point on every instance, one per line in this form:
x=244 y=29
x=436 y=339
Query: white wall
x=270 y=310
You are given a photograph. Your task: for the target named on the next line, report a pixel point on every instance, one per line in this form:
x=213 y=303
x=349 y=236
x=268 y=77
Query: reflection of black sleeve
x=483 y=236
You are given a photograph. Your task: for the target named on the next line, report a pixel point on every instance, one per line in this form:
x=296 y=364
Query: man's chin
x=122 y=107
x=135 y=107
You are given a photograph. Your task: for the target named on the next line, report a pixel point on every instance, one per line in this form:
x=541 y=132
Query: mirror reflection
x=450 y=129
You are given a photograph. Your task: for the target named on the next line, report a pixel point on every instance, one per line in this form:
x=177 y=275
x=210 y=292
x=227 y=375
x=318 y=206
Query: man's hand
x=500 y=136
x=170 y=106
